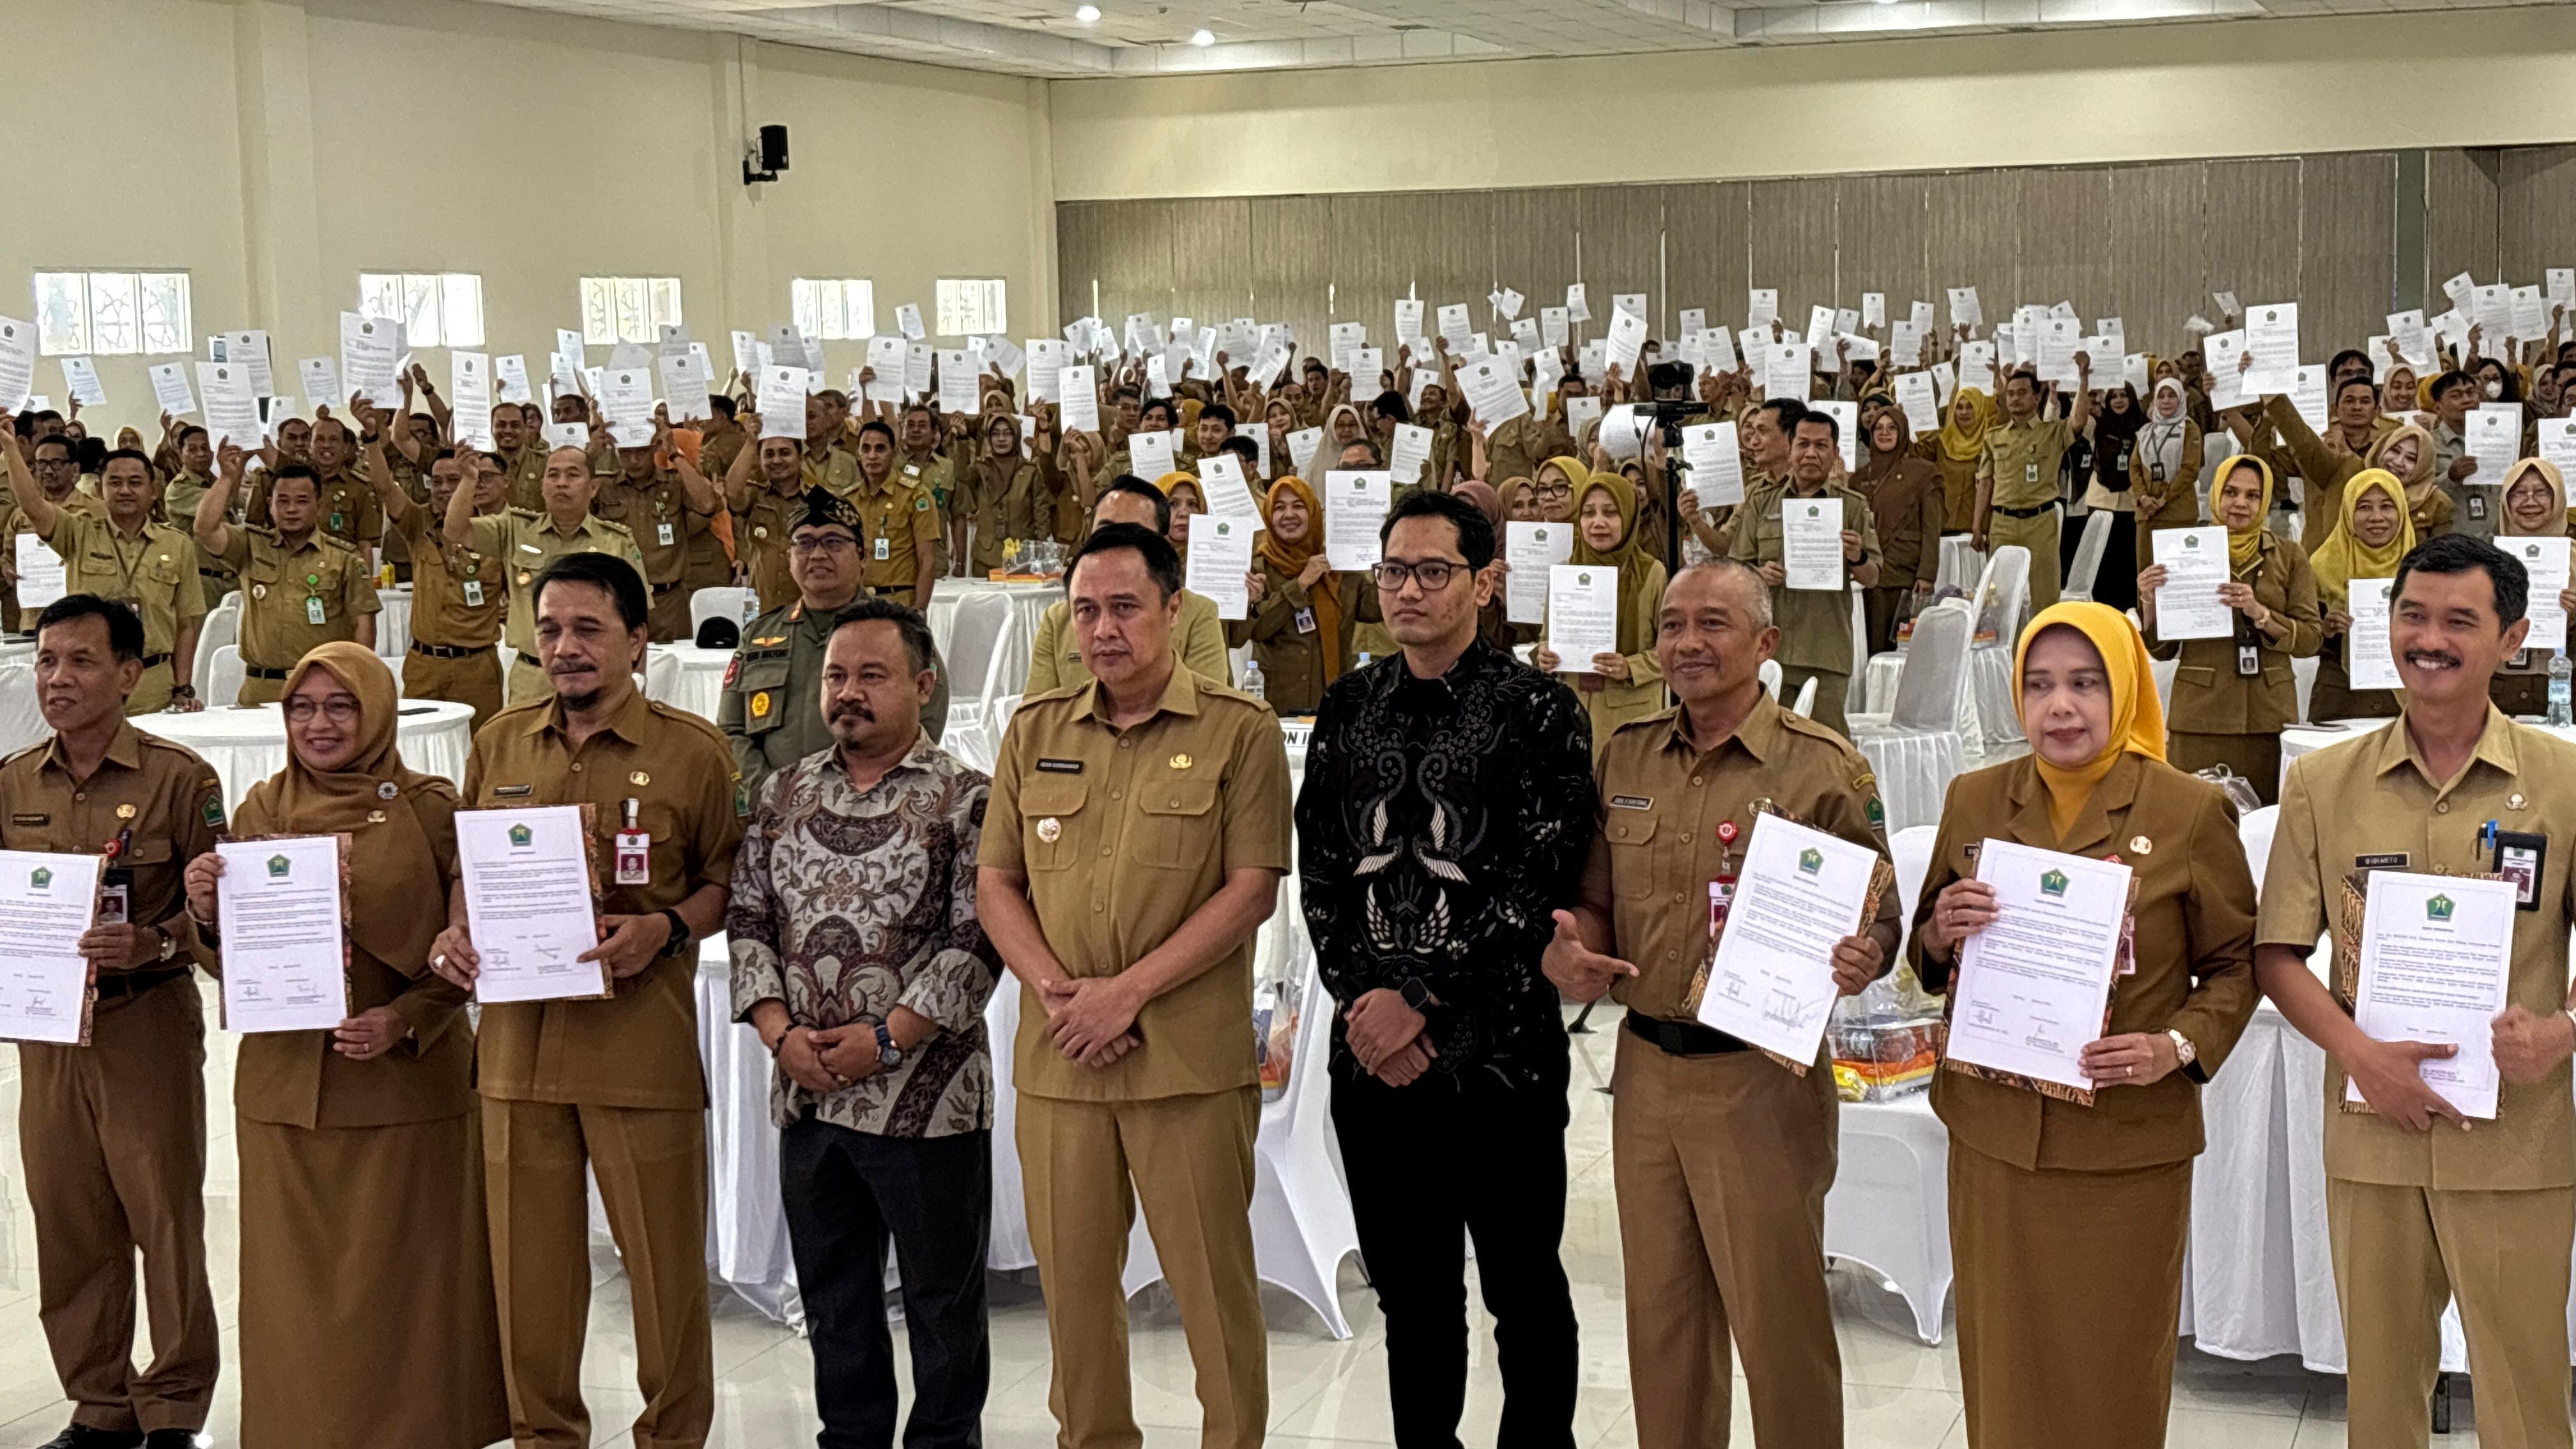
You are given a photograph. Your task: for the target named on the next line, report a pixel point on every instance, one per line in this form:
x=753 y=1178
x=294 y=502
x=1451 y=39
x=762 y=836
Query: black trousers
x=845 y=1192
x=1431 y=1164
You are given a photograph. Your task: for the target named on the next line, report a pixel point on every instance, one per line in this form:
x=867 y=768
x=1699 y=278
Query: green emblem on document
x=277 y=867
x=2053 y=883
x=2439 y=908
x=1811 y=861
x=1584 y=579
x=40 y=879
x=521 y=837
x=2190 y=541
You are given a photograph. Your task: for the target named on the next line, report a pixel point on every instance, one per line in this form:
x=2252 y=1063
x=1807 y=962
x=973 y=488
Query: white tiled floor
x=1899 y=1394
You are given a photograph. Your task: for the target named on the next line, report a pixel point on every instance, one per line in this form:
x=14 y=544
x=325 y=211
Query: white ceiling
x=1152 y=37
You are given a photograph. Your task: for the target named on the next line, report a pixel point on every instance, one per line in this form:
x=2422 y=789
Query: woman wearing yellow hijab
x=1300 y=629
x=2534 y=507
x=1956 y=450
x=2067 y=1221
x=2409 y=453
x=2366 y=542
x=2233 y=696
x=1628 y=683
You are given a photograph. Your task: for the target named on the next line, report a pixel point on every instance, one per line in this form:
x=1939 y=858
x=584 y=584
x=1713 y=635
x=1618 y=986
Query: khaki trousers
x=474 y=680
x=255 y=690
x=2400 y=1254
x=1086 y=1167
x=1722 y=1164
x=652 y=1170
x=114 y=1136
x=2040 y=535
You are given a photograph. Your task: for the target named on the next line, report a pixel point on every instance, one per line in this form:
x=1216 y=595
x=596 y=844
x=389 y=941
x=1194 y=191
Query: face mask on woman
x=2495 y=388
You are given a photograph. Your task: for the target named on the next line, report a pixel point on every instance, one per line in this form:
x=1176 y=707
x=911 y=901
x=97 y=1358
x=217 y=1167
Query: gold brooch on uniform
x=2142 y=845
x=1180 y=762
x=1049 y=829
x=760 y=705
x=2513 y=801
x=387 y=790
x=124 y=812
x=259 y=591
x=375 y=817
x=640 y=778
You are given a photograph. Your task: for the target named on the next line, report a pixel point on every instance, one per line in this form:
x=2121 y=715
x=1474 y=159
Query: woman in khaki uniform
x=2164 y=468
x=366 y=1293
x=2232 y=697
x=1905 y=499
x=1010 y=494
x=2367 y=542
x=1628 y=684
x=2409 y=453
x=1300 y=629
x=2535 y=506
x=2067 y=1220
x=1956 y=450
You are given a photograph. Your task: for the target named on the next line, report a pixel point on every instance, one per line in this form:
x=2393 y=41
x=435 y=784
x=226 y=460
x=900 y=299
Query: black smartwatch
x=1415 y=994
x=679 y=941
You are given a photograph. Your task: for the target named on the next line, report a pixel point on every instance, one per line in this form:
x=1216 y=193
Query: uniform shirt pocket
x=1178 y=827
x=1052 y=822
x=763 y=675
x=1631 y=834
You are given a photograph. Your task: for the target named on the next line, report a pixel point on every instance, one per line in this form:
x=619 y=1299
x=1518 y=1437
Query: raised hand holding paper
x=1220 y=557
x=2368 y=656
x=1716 y=463
x=1530 y=550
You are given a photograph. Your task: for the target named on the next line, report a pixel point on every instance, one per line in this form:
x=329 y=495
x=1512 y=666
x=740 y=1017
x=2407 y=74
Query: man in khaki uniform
x=114 y=1131
x=459 y=600
x=612 y=1084
x=1815 y=624
x=1055 y=660
x=901 y=518
x=344 y=501
x=126 y=559
x=766 y=488
x=2017 y=479
x=923 y=462
x=2419 y=1211
x=49 y=458
x=522 y=456
x=179 y=509
x=303 y=587
x=1763 y=431
x=1134 y=842
x=656 y=504
x=827 y=463
x=523 y=544
x=1722 y=1158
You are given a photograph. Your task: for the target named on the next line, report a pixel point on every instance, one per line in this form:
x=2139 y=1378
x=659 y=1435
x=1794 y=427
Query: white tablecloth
x=700 y=681
x=393 y=621
x=247 y=746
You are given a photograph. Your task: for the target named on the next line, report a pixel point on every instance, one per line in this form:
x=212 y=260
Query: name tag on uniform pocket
x=1059 y=767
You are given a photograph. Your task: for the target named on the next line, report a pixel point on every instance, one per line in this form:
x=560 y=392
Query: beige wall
x=275 y=149
x=2145 y=93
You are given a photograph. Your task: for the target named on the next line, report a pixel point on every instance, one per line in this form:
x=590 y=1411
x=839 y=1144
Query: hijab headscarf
x=1332 y=434
x=2161 y=439
x=2343 y=557
x=2243 y=543
x=1969 y=444
x=1625 y=555
x=1487 y=501
x=1289 y=560
x=1875 y=466
x=2418 y=480
x=2137 y=716
x=1510 y=494
x=2556 y=525
x=390 y=861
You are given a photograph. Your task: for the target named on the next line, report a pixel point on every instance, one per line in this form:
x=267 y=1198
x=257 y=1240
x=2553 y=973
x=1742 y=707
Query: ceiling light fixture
x=1202 y=38
x=1088 y=14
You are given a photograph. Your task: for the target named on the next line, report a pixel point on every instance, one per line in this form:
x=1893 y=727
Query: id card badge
x=1721 y=894
x=1305 y=621
x=313 y=609
x=474 y=593
x=884 y=548
x=2030 y=472
x=2249 y=660
x=662 y=535
x=634 y=858
x=2477 y=503
x=2519 y=858
x=115 y=897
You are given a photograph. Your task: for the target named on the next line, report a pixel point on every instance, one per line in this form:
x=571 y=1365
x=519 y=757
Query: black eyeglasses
x=1433 y=574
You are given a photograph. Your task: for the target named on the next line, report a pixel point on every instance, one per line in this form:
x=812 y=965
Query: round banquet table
x=247 y=745
x=393 y=621
x=699 y=683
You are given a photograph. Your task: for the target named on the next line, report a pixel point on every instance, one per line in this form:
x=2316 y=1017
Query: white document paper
x=47 y=903
x=170 y=390
x=285 y=955
x=1761 y=307
x=1820 y=330
x=527 y=884
x=1846 y=416
x=17 y=363
x=1555 y=328
x=1788 y=370
x=1905 y=345
x=80 y=382
x=1976 y=367
x=908 y=318
x=1303 y=445
x=250 y=349
x=1873 y=309
x=1046 y=368
x=2492 y=434
x=684 y=385
x=1627 y=339
x=2188 y=606
x=469 y=396
x=2560 y=285
x=232 y=410
x=512 y=371
x=1355 y=505
x=2545 y=559
x=1493 y=391
x=1811 y=542
x=1220 y=557
x=41 y=578
x=2308 y=396
x=2368 y=658
x=626 y=401
x=1694 y=319
x=1228 y=494
x=2558 y=444
x=2227 y=388
x=781 y=400
x=2032 y=989
x=1578 y=306
x=2272 y=335
x=1529 y=551
x=1411 y=449
x=1716 y=460
x=1408 y=319
x=1149 y=454
x=1455 y=328
x=1081 y=389
x=1799 y=894
x=2228 y=306
x=1916 y=394
x=1582 y=614
x=369 y=349
x=1965 y=311
x=2436 y=957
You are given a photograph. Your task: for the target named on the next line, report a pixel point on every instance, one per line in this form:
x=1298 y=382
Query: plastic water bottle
x=1253 y=682
x=2560 y=673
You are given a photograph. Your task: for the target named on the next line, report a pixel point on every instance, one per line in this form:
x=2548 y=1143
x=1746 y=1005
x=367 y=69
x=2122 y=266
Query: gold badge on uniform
x=2142 y=845
x=260 y=591
x=1049 y=829
x=760 y=705
x=1180 y=762
x=124 y=812
x=640 y=778
x=2513 y=801
x=375 y=817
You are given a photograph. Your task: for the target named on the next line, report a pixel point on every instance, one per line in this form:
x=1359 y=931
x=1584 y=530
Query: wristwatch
x=1415 y=994
x=2183 y=1049
x=679 y=941
x=889 y=1056
x=183 y=691
x=169 y=941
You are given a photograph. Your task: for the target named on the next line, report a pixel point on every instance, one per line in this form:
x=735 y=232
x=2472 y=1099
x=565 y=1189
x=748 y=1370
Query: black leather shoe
x=170 y=1439
x=82 y=1436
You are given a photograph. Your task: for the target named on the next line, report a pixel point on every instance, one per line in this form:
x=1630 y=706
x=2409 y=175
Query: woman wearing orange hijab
x=2067 y=1220
x=1302 y=612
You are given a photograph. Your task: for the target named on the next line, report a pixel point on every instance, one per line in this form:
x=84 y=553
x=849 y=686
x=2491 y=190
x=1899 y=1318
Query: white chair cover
x=2003 y=606
x=22 y=720
x=2088 y=554
x=1771 y=677
x=222 y=626
x=1859 y=635
x=1805 y=705
x=724 y=602
x=1890 y=1203
x=1961 y=565
x=1877 y=682
x=987 y=656
x=661 y=675
x=223 y=677
x=1911 y=848
x=2256 y=831
x=1917 y=749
